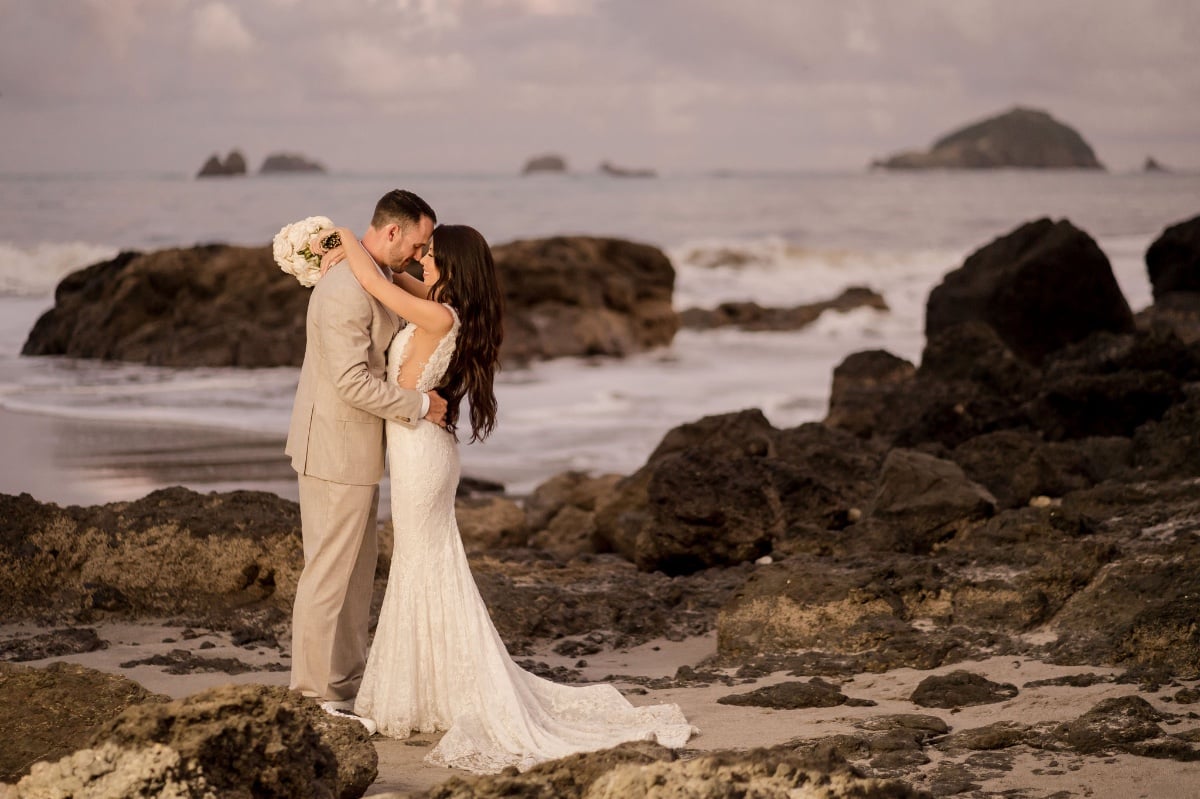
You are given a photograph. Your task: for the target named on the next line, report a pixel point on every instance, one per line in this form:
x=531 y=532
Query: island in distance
x=1024 y=138
x=235 y=164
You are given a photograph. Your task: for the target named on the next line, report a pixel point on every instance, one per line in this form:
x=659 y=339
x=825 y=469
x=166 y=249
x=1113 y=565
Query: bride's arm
x=423 y=313
x=410 y=284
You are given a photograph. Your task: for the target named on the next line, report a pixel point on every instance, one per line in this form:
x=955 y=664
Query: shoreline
x=72 y=461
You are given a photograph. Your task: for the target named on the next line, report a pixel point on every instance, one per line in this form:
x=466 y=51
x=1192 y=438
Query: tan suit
x=336 y=443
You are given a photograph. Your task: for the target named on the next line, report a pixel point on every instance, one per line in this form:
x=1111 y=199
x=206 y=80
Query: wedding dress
x=437 y=662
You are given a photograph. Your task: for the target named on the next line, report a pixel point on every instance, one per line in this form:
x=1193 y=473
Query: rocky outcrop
x=549 y=163
x=232 y=741
x=612 y=170
x=174 y=552
x=234 y=164
x=1040 y=287
x=288 y=162
x=642 y=769
x=1151 y=164
x=217 y=305
x=1023 y=138
x=576 y=296
x=212 y=305
x=48 y=713
x=752 y=316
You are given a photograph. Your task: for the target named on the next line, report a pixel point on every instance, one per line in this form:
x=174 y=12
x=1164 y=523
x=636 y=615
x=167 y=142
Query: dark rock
x=1173 y=260
x=1170 y=446
x=608 y=168
x=863 y=385
x=571 y=296
x=752 y=316
x=212 y=305
x=254 y=740
x=1166 y=635
x=824 y=479
x=47 y=713
x=1177 y=312
x=1151 y=165
x=551 y=600
x=545 y=163
x=234 y=164
x=53 y=644
x=704 y=498
x=288 y=162
x=1120 y=724
x=960 y=689
x=792 y=695
x=1041 y=287
x=923 y=501
x=183 y=661
x=1017 y=466
x=1023 y=138
x=1000 y=735
x=1071 y=680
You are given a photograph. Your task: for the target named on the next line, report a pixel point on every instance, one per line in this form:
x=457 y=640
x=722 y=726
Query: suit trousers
x=333 y=598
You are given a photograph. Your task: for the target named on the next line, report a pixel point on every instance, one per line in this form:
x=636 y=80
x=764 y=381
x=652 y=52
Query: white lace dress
x=437 y=662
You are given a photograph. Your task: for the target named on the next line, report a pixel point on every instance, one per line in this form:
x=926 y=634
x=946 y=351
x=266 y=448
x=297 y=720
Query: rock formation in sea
x=1151 y=164
x=218 y=305
x=752 y=316
x=612 y=170
x=234 y=164
x=288 y=162
x=540 y=164
x=1023 y=138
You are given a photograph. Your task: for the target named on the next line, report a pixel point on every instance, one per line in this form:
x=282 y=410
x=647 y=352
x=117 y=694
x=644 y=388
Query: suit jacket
x=343 y=397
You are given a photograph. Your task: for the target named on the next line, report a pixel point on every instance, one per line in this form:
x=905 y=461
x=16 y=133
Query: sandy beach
x=1025 y=773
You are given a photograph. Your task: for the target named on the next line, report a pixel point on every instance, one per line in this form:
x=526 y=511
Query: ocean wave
x=34 y=271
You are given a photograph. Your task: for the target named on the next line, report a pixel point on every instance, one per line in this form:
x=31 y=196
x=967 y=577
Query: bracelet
x=332 y=241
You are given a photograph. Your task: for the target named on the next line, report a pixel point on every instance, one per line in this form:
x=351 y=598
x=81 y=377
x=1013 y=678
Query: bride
x=437 y=662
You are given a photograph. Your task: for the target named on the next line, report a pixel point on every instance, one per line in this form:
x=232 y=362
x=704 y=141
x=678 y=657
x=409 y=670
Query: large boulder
x=211 y=305
x=1173 y=260
x=923 y=501
x=704 y=498
x=863 y=384
x=217 y=305
x=1041 y=287
x=1023 y=138
x=584 y=296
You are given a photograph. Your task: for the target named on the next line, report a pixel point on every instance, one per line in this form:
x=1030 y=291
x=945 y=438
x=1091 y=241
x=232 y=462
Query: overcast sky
x=679 y=85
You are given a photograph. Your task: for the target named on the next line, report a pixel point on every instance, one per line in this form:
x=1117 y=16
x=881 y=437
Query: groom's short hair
x=403 y=207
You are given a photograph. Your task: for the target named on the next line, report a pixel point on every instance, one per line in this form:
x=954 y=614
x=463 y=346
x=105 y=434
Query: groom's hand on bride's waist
x=437 y=409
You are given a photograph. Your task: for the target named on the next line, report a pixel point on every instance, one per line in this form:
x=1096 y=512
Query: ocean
x=778 y=239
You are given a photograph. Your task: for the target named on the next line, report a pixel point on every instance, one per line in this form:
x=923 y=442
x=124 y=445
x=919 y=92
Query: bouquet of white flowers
x=292 y=253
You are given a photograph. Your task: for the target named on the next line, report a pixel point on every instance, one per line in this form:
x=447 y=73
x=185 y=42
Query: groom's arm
x=342 y=316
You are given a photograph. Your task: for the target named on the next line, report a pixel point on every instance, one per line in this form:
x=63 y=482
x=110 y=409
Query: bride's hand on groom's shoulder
x=330 y=258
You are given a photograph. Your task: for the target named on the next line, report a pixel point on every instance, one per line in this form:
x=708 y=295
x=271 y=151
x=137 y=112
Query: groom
x=336 y=443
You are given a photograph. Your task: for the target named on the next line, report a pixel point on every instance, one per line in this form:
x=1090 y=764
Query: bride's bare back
x=420 y=346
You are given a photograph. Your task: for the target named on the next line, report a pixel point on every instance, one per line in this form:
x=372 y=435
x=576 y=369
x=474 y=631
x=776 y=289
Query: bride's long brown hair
x=469 y=284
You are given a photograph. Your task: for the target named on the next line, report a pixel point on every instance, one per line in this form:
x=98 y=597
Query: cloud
x=218 y=28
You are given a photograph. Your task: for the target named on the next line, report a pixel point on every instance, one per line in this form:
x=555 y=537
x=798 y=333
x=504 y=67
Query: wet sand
x=85 y=462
